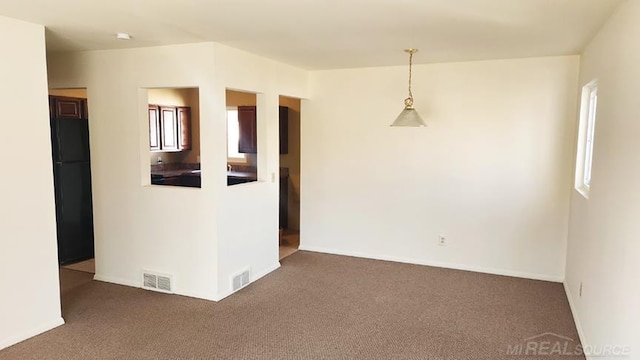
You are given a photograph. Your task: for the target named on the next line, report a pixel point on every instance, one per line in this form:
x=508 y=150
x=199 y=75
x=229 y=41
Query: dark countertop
x=187 y=172
x=249 y=175
x=176 y=173
x=242 y=175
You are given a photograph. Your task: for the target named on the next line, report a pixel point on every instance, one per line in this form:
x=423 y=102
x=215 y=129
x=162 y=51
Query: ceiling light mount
x=123 y=36
x=409 y=116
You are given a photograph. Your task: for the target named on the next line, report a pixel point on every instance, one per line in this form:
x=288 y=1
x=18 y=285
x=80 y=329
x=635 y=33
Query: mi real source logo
x=550 y=344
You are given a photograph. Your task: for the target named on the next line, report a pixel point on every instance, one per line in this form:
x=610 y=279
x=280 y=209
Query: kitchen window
x=586 y=133
x=233 y=136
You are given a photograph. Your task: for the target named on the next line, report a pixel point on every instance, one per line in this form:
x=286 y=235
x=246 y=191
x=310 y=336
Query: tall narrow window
x=233 y=136
x=586 y=134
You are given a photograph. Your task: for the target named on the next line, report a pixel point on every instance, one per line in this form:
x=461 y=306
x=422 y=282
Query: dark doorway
x=72 y=178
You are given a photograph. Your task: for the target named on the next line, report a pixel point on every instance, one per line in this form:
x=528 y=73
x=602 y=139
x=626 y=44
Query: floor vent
x=157 y=282
x=241 y=280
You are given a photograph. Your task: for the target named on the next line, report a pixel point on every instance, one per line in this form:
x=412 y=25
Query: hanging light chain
x=408 y=102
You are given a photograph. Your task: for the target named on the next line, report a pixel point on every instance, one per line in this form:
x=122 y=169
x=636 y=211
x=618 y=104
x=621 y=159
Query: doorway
x=69 y=121
x=289 y=176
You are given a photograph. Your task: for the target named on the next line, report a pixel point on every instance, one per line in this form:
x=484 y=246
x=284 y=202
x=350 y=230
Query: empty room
x=448 y=179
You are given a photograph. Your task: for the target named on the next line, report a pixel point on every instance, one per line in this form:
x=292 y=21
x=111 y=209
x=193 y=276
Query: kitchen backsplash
x=175 y=166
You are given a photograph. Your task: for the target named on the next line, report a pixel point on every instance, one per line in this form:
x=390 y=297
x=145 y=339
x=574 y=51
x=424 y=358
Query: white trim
x=259 y=275
x=503 y=272
x=117 y=281
x=242 y=159
x=266 y=271
x=582 y=190
x=136 y=284
x=31 y=333
x=192 y=295
x=576 y=319
x=586 y=136
x=224 y=295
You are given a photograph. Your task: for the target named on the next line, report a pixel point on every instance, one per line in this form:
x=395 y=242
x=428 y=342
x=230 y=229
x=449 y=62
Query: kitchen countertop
x=187 y=172
x=242 y=174
x=176 y=173
x=249 y=175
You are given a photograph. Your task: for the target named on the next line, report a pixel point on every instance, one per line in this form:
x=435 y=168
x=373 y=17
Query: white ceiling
x=324 y=34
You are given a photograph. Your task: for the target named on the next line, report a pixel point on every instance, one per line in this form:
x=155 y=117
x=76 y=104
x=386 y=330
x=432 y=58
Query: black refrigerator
x=72 y=178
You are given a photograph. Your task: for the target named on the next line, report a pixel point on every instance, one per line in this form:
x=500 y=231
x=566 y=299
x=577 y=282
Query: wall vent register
x=241 y=280
x=157 y=282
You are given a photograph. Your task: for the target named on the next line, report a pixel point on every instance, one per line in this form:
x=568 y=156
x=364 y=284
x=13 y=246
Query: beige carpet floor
x=86 y=266
x=315 y=306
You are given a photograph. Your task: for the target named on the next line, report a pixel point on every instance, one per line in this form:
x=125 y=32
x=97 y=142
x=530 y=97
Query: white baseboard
x=117 y=281
x=576 y=319
x=405 y=260
x=135 y=284
x=255 y=277
x=5 y=343
x=266 y=271
x=194 y=295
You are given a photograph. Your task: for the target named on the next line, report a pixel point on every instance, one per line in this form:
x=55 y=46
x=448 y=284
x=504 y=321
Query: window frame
x=234 y=159
x=586 y=138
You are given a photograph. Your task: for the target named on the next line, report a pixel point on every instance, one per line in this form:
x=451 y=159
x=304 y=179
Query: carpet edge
x=492 y=271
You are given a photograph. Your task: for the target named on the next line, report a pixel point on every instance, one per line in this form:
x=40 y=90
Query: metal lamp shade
x=409 y=117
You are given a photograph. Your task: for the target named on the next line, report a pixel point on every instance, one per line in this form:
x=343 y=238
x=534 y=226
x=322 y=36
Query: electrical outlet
x=580 y=292
x=442 y=241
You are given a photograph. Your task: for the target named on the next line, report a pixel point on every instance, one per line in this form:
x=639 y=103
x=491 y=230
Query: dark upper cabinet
x=284 y=130
x=70 y=129
x=69 y=108
x=168 y=128
x=154 y=127
x=184 y=128
x=248 y=139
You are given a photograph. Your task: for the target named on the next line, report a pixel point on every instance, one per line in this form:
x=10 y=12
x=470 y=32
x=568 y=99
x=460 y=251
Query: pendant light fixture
x=409 y=116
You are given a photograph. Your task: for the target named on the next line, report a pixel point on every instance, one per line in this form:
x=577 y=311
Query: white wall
x=248 y=221
x=130 y=216
x=30 y=300
x=491 y=171
x=603 y=249
x=214 y=231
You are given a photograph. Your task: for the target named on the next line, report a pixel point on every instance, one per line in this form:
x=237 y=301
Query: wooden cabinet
x=247 y=140
x=68 y=108
x=284 y=129
x=154 y=127
x=169 y=128
x=184 y=128
x=248 y=135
